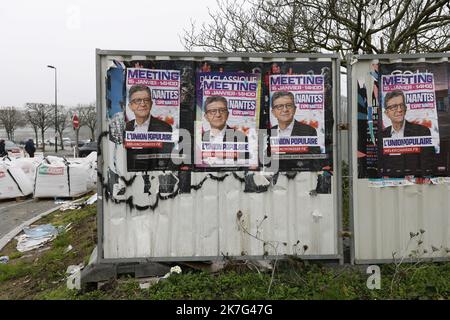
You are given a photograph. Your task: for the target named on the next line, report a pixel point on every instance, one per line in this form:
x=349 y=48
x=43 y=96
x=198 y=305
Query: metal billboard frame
x=222 y=57
x=353 y=130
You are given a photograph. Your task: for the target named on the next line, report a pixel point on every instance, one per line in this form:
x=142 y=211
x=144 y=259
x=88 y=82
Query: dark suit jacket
x=411 y=130
x=422 y=163
x=237 y=135
x=228 y=131
x=155 y=125
x=135 y=164
x=303 y=130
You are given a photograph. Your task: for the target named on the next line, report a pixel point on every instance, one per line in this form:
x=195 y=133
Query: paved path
x=13 y=214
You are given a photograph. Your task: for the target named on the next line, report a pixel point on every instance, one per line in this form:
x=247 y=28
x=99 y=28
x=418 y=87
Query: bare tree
x=42 y=116
x=79 y=111
x=87 y=115
x=381 y=26
x=10 y=120
x=74 y=111
x=62 y=122
x=29 y=116
x=344 y=26
x=253 y=25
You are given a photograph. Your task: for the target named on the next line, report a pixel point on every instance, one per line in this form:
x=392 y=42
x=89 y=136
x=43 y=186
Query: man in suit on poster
x=140 y=102
x=283 y=109
x=216 y=113
x=404 y=164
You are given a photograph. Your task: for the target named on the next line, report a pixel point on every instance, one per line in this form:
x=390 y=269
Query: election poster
x=152 y=115
x=297 y=116
x=423 y=100
x=413 y=139
x=228 y=106
x=410 y=121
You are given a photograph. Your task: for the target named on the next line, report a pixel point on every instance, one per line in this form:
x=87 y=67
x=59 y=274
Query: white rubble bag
x=90 y=163
x=91 y=157
x=92 y=172
x=28 y=165
x=54 y=159
x=56 y=177
x=13 y=181
x=79 y=176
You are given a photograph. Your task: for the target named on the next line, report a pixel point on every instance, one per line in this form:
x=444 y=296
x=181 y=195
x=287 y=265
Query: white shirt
x=218 y=137
x=286 y=132
x=143 y=127
x=398 y=134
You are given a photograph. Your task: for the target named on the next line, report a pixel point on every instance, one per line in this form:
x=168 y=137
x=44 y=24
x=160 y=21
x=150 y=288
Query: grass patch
x=294 y=280
x=61 y=218
x=15 y=255
x=40 y=273
x=13 y=271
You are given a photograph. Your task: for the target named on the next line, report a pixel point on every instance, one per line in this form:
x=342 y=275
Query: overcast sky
x=65 y=34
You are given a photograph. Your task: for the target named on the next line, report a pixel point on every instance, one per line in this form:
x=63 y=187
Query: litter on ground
x=37 y=236
x=74 y=276
x=76 y=204
x=68 y=249
x=175 y=269
x=91 y=200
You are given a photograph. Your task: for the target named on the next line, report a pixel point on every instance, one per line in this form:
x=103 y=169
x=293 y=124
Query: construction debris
x=145 y=283
x=47 y=177
x=74 y=276
x=35 y=237
x=77 y=204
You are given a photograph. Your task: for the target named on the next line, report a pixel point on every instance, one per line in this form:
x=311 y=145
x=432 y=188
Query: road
x=13 y=214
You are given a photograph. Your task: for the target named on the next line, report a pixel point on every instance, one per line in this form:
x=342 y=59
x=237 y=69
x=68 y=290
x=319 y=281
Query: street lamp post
x=56 y=112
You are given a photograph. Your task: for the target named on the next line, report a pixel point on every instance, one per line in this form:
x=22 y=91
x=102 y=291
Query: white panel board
x=219 y=218
x=383 y=218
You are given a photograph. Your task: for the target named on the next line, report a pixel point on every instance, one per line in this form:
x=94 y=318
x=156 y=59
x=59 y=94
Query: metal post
x=56 y=110
x=76 y=144
x=56 y=115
